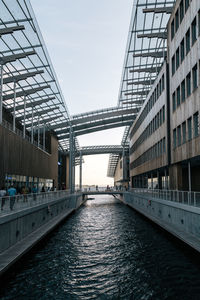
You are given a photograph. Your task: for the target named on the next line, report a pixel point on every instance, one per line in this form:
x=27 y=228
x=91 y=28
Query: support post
x=70 y=160
x=80 y=175
x=38 y=139
x=73 y=163
x=32 y=125
x=44 y=137
x=24 y=127
x=14 y=105
x=1 y=93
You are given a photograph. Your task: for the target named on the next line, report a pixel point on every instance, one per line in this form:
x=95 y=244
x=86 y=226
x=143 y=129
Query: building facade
x=164 y=139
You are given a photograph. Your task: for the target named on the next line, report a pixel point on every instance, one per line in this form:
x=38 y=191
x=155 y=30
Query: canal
x=105 y=251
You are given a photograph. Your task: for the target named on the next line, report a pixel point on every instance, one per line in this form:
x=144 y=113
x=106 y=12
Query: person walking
x=3 y=196
x=11 y=193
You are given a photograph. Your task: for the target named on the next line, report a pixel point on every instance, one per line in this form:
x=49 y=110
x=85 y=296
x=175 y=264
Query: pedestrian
x=34 y=191
x=11 y=193
x=3 y=196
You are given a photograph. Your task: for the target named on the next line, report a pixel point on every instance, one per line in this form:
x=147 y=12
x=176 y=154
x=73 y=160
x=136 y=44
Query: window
x=182 y=49
x=196 y=124
x=172 y=30
x=164 y=146
x=178 y=96
x=181 y=11
x=179 y=135
x=177 y=20
x=173 y=65
x=174 y=101
x=194 y=31
x=163 y=113
x=188 y=82
x=177 y=59
x=194 y=77
x=187 y=3
x=189 y=123
x=163 y=82
x=184 y=132
x=188 y=41
x=174 y=138
x=183 y=90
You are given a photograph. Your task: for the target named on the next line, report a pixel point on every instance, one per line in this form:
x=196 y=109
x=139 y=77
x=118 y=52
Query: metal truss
x=29 y=88
x=102 y=149
x=145 y=51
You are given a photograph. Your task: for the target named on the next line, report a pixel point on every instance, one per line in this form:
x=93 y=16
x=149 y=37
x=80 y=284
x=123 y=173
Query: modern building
x=165 y=137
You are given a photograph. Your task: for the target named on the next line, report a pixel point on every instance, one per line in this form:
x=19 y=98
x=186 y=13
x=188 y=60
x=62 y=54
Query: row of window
x=152 y=100
x=185 y=131
x=185 y=45
x=155 y=151
x=179 y=15
x=189 y=84
x=157 y=121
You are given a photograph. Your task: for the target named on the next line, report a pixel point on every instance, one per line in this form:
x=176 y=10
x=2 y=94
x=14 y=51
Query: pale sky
x=86 y=41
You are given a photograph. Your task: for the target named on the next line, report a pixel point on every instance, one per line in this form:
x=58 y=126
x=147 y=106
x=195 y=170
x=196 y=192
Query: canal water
x=105 y=251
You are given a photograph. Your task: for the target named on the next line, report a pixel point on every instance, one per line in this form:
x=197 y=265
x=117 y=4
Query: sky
x=86 y=41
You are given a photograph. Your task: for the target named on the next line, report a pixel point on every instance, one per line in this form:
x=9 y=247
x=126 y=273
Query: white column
x=38 y=132
x=14 y=105
x=24 y=128
x=44 y=137
x=32 y=125
x=1 y=93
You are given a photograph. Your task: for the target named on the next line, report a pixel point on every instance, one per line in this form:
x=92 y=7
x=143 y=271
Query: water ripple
x=106 y=251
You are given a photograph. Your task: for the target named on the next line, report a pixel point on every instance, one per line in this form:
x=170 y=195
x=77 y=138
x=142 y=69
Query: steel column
x=189 y=176
x=44 y=137
x=1 y=93
x=70 y=160
x=14 y=105
x=80 y=175
x=38 y=139
x=24 y=127
x=32 y=125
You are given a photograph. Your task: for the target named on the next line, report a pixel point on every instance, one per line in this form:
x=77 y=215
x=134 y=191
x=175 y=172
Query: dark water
x=106 y=251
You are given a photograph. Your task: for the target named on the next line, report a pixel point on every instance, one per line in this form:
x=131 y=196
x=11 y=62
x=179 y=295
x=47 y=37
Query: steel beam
x=159 y=10
x=156 y=54
x=21 y=77
x=160 y=35
x=25 y=92
x=146 y=70
x=10 y=58
x=9 y=30
x=38 y=113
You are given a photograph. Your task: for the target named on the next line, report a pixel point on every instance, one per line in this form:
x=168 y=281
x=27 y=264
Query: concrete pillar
x=38 y=139
x=14 y=105
x=1 y=93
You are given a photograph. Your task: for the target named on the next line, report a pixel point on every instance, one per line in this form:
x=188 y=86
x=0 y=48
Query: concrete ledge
x=14 y=253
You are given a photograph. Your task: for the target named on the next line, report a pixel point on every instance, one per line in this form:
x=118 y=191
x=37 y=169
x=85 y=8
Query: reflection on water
x=106 y=251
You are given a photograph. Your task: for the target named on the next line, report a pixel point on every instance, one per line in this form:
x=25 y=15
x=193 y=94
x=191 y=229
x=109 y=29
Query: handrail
x=8 y=204
x=184 y=197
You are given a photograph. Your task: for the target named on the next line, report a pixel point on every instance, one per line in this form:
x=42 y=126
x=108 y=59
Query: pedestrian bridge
x=106 y=192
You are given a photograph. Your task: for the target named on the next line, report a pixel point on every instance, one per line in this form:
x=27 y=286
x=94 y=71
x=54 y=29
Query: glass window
x=188 y=41
x=179 y=135
x=181 y=11
x=164 y=146
x=163 y=113
x=194 y=77
x=196 y=124
x=172 y=30
x=177 y=59
x=183 y=90
x=174 y=138
x=188 y=82
x=173 y=65
x=187 y=3
x=174 y=101
x=182 y=49
x=194 y=31
x=163 y=82
x=178 y=96
x=189 y=123
x=177 y=20
x=184 y=132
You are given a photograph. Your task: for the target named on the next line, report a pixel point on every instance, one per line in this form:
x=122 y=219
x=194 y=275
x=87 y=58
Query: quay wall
x=182 y=221
x=21 y=230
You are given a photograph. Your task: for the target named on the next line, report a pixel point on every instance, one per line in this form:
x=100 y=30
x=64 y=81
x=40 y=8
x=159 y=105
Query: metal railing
x=184 y=197
x=15 y=203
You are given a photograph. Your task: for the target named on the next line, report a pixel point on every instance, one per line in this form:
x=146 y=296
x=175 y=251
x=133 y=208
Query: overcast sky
x=86 y=41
